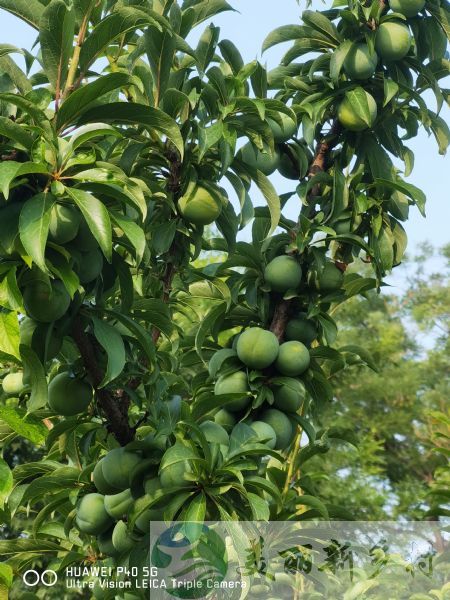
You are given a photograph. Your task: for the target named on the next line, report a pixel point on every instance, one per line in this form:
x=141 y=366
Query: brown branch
x=319 y=164
x=115 y=412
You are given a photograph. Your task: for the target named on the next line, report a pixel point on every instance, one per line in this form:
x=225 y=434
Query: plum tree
x=198 y=322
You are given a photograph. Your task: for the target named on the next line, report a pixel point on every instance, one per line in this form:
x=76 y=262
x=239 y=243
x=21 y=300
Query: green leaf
x=17 y=76
x=29 y=11
x=133 y=232
x=410 y=190
x=259 y=507
x=9 y=170
x=6 y=482
x=33 y=226
x=359 y=104
x=9 y=336
x=322 y=24
x=337 y=59
x=137 y=114
x=97 y=218
x=178 y=453
x=363 y=354
x=56 y=32
x=6 y=575
x=12 y=131
x=111 y=341
x=390 y=90
x=207 y=325
x=313 y=502
x=285 y=33
x=120 y=22
x=196 y=509
x=27 y=427
x=28 y=545
x=34 y=372
x=80 y=100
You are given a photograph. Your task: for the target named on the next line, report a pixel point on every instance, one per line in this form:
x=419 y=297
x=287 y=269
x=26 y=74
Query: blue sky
x=248 y=28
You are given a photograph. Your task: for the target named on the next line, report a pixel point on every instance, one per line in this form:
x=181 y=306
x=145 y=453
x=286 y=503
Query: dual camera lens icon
x=32 y=578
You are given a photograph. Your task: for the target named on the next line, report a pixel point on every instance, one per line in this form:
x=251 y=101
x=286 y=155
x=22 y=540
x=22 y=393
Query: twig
x=111 y=407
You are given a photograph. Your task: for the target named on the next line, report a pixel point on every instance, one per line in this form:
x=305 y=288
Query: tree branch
x=319 y=164
x=116 y=414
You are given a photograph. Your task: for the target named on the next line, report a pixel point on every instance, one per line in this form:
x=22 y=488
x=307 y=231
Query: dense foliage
x=163 y=372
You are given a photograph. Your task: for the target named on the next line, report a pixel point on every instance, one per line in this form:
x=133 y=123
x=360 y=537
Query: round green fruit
x=352 y=121
x=284 y=131
x=293 y=163
x=117 y=505
x=105 y=544
x=360 y=63
x=407 y=8
x=117 y=466
x=225 y=418
x=329 y=279
x=69 y=396
x=121 y=539
x=281 y=426
x=13 y=384
x=143 y=521
x=392 y=41
x=34 y=335
x=91 y=516
x=84 y=240
x=90 y=266
x=293 y=359
x=214 y=433
x=100 y=482
x=257 y=348
x=64 y=223
x=289 y=396
x=217 y=359
x=266 y=162
x=301 y=329
x=46 y=303
x=236 y=383
x=283 y=273
x=201 y=205
x=174 y=476
x=265 y=433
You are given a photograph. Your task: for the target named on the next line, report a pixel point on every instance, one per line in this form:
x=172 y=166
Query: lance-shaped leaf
x=34 y=222
x=137 y=114
x=34 y=372
x=17 y=133
x=29 y=11
x=56 y=31
x=9 y=170
x=97 y=218
x=9 y=336
x=78 y=102
x=111 y=341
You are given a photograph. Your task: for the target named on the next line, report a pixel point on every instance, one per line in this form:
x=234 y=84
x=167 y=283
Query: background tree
x=114 y=153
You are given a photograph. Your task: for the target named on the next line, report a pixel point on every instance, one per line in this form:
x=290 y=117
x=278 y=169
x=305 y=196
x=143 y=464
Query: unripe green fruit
x=359 y=62
x=214 y=433
x=64 y=223
x=121 y=538
x=12 y=384
x=174 y=476
x=329 y=279
x=84 y=240
x=45 y=303
x=266 y=162
x=408 y=8
x=225 y=418
x=283 y=132
x=100 y=482
x=236 y=383
x=91 y=516
x=34 y=335
x=293 y=163
x=301 y=329
x=257 y=348
x=217 y=359
x=265 y=433
x=350 y=120
x=117 y=466
x=117 y=505
x=290 y=396
x=283 y=273
x=201 y=205
x=144 y=519
x=343 y=226
x=91 y=265
x=392 y=41
x=105 y=544
x=281 y=426
x=293 y=359
x=69 y=396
